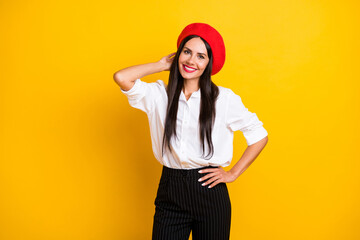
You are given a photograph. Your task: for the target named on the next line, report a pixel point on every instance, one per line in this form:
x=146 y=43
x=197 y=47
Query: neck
x=190 y=86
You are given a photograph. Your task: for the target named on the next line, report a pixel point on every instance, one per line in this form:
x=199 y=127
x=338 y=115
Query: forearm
x=130 y=74
x=248 y=157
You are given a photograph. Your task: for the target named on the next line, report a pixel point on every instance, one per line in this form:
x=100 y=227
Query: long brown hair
x=209 y=93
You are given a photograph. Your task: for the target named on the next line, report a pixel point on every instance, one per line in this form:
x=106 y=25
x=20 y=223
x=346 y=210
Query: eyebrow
x=191 y=51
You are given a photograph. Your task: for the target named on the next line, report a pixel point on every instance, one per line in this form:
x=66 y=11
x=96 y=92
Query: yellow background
x=76 y=160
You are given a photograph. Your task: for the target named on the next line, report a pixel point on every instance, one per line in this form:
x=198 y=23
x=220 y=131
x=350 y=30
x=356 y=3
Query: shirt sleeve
x=238 y=117
x=143 y=95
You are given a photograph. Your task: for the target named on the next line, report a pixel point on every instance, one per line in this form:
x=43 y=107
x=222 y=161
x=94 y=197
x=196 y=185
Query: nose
x=191 y=60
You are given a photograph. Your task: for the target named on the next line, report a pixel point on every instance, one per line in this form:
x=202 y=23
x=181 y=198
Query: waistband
x=172 y=172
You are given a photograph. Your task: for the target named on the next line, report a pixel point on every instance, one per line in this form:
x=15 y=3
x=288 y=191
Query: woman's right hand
x=167 y=61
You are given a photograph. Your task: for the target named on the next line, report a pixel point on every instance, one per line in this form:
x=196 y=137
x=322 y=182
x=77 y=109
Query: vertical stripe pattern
x=183 y=205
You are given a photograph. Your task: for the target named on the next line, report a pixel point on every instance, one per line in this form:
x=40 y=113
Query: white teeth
x=190 y=69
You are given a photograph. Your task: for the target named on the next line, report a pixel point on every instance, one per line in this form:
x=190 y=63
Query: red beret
x=212 y=37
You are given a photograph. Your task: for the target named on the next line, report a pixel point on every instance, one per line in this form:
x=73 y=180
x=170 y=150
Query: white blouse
x=231 y=115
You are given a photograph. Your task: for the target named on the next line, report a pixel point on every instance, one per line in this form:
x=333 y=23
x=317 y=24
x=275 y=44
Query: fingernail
x=200 y=171
x=209 y=187
x=199 y=179
x=203 y=184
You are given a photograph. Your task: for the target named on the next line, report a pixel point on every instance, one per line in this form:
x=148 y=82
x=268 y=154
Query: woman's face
x=193 y=59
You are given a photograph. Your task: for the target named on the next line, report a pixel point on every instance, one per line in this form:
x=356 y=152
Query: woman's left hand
x=216 y=175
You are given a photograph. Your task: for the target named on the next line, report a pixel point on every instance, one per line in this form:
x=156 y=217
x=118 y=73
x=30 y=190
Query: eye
x=186 y=51
x=201 y=56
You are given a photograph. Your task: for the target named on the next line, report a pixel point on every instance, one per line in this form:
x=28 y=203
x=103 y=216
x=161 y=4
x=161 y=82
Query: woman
x=188 y=118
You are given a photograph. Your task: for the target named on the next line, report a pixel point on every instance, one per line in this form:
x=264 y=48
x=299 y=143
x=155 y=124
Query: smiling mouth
x=188 y=69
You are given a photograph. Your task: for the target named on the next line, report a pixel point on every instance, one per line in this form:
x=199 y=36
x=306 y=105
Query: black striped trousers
x=182 y=205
